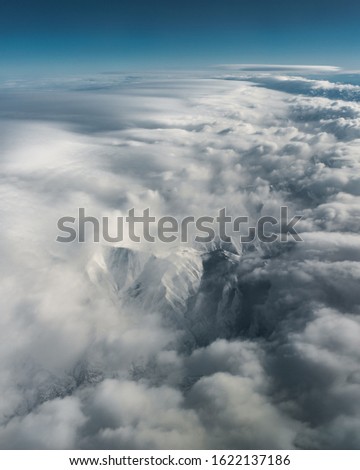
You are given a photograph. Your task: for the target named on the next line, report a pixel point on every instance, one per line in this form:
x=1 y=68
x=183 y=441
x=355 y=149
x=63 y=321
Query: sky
x=159 y=346
x=38 y=36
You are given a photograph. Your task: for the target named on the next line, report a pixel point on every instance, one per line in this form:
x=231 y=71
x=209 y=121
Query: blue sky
x=90 y=36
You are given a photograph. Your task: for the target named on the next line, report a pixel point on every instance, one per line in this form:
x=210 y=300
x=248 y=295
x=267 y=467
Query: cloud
x=280 y=68
x=296 y=84
x=221 y=346
x=53 y=425
x=129 y=415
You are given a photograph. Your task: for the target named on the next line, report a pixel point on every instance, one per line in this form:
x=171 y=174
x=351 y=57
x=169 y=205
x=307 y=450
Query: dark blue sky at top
x=84 y=36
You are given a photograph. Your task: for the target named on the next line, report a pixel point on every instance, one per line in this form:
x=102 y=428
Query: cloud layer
x=221 y=346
